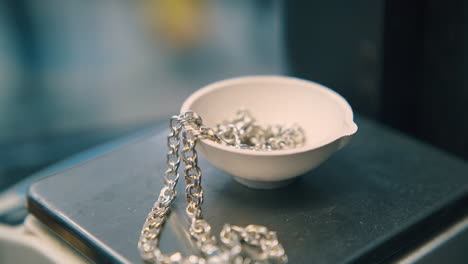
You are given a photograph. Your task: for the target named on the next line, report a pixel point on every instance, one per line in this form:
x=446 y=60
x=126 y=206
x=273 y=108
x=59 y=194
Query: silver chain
x=242 y=132
x=267 y=248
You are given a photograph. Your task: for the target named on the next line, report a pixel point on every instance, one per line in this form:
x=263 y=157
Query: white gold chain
x=242 y=132
x=230 y=251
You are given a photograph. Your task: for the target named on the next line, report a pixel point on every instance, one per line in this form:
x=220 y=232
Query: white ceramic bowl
x=325 y=116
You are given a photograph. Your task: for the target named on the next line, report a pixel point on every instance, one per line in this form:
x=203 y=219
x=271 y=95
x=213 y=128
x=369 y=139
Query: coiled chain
x=242 y=132
x=230 y=251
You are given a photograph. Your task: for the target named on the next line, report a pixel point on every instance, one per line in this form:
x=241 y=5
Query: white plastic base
x=32 y=242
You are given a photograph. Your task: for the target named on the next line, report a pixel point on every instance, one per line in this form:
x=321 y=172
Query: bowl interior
x=322 y=113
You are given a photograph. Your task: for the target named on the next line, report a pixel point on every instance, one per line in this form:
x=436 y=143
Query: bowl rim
x=350 y=127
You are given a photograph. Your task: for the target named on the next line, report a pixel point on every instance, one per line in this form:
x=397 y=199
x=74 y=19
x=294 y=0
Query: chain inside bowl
x=243 y=132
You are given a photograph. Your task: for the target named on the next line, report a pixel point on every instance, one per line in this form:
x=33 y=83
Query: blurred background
x=74 y=74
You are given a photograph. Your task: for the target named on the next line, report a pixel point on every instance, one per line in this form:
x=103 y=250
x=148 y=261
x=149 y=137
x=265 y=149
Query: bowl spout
x=347 y=133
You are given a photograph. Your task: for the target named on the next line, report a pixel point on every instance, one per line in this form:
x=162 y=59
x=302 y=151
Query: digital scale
x=383 y=198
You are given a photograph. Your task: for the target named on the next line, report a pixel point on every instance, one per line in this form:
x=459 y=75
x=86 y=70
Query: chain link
x=230 y=250
x=242 y=132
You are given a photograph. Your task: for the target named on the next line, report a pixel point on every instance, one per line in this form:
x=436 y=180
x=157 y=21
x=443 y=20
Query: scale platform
x=380 y=196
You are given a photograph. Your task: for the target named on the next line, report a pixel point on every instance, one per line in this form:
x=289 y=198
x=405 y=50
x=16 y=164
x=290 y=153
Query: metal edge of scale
x=73 y=238
x=415 y=239
x=442 y=246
